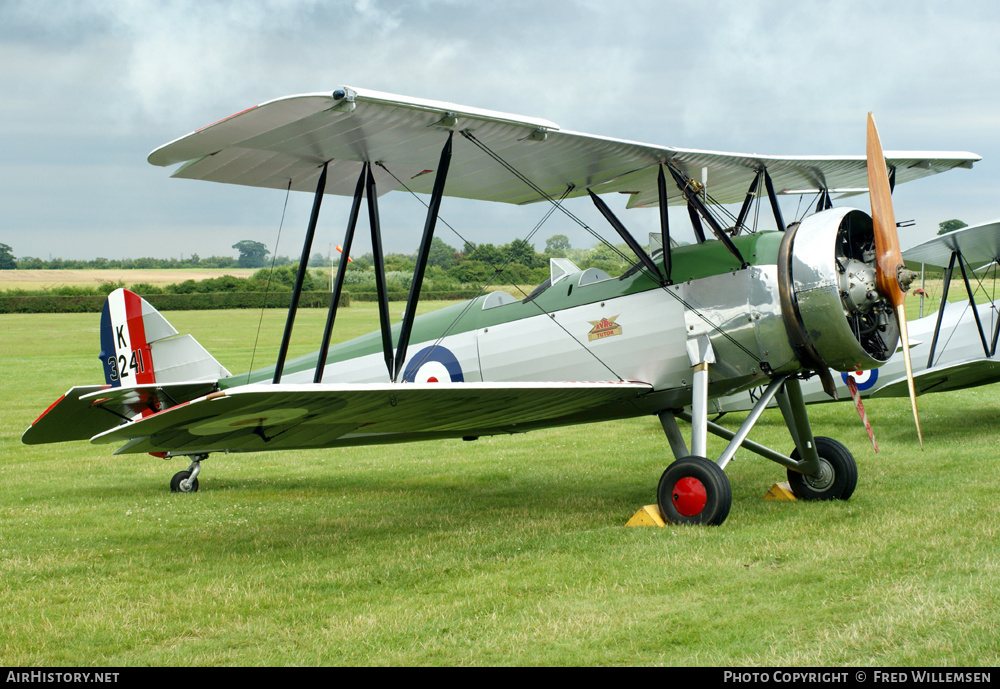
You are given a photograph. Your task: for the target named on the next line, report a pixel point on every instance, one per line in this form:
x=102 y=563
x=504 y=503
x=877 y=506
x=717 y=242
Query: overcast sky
x=89 y=88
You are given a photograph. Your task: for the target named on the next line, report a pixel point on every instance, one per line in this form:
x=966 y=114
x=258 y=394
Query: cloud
x=98 y=84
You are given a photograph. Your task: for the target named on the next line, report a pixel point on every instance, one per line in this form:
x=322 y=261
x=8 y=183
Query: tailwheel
x=837 y=476
x=187 y=481
x=694 y=490
x=182 y=483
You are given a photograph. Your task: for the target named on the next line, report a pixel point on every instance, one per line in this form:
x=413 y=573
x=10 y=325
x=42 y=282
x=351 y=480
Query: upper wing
x=286 y=141
x=288 y=416
x=979 y=244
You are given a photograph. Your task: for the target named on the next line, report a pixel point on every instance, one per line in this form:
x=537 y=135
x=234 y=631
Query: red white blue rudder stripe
x=128 y=325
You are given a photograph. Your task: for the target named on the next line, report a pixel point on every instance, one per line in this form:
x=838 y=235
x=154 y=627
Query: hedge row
x=448 y=295
x=169 y=302
x=196 y=302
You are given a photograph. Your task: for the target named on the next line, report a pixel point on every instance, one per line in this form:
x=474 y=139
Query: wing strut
x=773 y=198
x=996 y=327
x=944 y=300
x=338 y=286
x=422 y=255
x=693 y=201
x=824 y=202
x=751 y=195
x=972 y=303
x=661 y=190
x=380 y=288
x=988 y=349
x=699 y=231
x=996 y=334
x=300 y=276
x=627 y=236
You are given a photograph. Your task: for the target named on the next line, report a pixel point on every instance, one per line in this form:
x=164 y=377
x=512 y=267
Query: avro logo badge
x=606 y=327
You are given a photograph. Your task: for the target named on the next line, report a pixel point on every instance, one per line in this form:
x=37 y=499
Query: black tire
x=175 y=482
x=694 y=490
x=838 y=476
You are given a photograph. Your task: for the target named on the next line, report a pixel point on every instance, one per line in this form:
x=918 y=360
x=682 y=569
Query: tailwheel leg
x=187 y=481
x=694 y=490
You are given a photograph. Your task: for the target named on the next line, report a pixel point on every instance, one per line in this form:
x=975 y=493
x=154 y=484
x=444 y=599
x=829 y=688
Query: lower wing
x=286 y=416
x=968 y=374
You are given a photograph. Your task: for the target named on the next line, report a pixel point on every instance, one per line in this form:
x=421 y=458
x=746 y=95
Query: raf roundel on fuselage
x=433 y=365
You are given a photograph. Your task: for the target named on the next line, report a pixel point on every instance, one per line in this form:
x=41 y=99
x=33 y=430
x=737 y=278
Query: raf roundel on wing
x=864 y=379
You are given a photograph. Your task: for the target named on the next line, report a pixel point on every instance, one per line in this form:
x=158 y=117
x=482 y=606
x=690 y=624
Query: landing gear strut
x=695 y=490
x=187 y=481
x=837 y=476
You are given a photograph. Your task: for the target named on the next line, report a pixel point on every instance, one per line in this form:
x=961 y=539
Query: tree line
x=8 y=261
x=514 y=263
x=520 y=262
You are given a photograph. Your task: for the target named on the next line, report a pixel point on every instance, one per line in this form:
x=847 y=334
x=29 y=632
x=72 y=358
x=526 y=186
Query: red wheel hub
x=689 y=496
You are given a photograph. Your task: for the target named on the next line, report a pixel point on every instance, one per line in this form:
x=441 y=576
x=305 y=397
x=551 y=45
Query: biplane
x=739 y=308
x=952 y=349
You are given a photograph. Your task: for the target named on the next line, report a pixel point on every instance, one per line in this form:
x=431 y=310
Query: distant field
x=43 y=279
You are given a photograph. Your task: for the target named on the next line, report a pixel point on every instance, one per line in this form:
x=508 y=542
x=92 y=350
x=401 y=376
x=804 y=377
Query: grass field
x=504 y=551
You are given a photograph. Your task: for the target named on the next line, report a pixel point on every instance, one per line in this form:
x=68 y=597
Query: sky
x=89 y=88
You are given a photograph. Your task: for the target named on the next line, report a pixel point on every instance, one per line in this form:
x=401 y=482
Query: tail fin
x=139 y=346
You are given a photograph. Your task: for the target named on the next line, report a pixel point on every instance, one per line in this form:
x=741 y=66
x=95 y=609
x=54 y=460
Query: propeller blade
x=888 y=257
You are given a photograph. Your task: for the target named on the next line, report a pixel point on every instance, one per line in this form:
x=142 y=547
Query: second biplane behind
x=952 y=349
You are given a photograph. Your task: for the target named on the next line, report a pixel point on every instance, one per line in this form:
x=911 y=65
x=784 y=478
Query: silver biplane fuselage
x=587 y=326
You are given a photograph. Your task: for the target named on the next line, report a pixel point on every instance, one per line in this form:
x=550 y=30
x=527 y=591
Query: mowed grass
x=505 y=551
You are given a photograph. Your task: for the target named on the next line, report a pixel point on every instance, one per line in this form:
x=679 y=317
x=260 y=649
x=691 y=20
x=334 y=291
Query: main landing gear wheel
x=180 y=483
x=694 y=490
x=837 y=477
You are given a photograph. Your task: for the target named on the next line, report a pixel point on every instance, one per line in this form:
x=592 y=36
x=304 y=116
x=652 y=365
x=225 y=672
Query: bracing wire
x=270 y=274
x=797 y=209
x=970 y=304
x=497 y=271
x=542 y=193
x=468 y=135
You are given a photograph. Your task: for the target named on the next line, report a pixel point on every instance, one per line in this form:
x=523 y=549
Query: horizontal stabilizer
x=70 y=418
x=87 y=410
x=148 y=367
x=287 y=416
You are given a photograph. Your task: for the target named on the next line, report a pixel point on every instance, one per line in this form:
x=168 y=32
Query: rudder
x=139 y=346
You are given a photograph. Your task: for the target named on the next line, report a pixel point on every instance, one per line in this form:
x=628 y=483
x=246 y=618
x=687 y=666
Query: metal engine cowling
x=826 y=273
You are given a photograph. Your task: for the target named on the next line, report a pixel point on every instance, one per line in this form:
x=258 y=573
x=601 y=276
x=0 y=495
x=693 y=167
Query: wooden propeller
x=889 y=259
